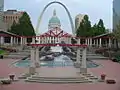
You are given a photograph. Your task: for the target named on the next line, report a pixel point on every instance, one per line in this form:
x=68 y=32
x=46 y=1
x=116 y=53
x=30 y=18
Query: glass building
x=116 y=13
x=1 y=9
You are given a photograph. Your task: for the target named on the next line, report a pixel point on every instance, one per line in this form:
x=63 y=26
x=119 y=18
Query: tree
x=84 y=29
x=101 y=27
x=98 y=29
x=24 y=27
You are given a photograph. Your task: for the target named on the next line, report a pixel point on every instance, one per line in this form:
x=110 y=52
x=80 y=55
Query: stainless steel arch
x=70 y=18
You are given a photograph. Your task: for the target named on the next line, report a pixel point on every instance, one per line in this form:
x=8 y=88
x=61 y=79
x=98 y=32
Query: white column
x=37 y=58
x=17 y=41
x=11 y=41
x=39 y=40
x=78 y=61
x=94 y=42
x=86 y=41
x=97 y=42
x=100 y=41
x=21 y=41
x=49 y=39
x=25 y=40
x=32 y=66
x=90 y=41
x=83 y=63
x=110 y=42
x=69 y=40
x=14 y=40
x=2 y=40
x=53 y=40
x=78 y=41
x=33 y=40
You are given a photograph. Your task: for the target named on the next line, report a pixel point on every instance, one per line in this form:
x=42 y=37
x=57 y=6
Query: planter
x=110 y=81
x=12 y=77
x=103 y=77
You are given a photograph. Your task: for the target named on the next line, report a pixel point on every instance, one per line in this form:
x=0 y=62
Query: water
x=56 y=63
x=60 y=61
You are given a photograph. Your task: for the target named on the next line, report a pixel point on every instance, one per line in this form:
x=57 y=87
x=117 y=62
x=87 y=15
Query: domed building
x=54 y=22
x=54 y=34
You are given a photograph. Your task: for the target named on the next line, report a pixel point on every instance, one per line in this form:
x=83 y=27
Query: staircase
x=84 y=78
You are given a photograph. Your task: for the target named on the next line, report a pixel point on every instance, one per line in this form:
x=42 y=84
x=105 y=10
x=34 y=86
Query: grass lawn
x=2 y=52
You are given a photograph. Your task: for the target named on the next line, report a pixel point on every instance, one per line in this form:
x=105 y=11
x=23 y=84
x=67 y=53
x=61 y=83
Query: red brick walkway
x=108 y=67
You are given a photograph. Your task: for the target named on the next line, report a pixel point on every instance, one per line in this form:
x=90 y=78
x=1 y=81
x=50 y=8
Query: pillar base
x=32 y=70
x=77 y=64
x=83 y=70
x=37 y=65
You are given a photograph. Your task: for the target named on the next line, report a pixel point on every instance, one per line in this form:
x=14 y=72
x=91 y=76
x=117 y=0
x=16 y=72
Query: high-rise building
x=2 y=24
x=1 y=5
x=11 y=16
x=116 y=13
x=78 y=19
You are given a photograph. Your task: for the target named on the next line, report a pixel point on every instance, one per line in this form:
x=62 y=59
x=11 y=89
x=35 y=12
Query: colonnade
x=45 y=40
x=13 y=40
x=97 y=42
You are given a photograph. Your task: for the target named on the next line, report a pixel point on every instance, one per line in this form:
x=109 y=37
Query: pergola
x=54 y=36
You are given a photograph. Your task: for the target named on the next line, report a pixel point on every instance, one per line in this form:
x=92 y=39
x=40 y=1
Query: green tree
x=98 y=29
x=101 y=27
x=24 y=27
x=84 y=29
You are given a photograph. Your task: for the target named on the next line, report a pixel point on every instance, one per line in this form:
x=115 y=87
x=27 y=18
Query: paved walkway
x=108 y=67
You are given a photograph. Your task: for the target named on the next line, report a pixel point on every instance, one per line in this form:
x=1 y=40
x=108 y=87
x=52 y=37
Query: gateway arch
x=70 y=18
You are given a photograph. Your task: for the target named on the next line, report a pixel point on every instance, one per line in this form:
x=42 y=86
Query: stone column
x=37 y=58
x=2 y=40
x=83 y=63
x=32 y=66
x=39 y=40
x=33 y=40
x=11 y=41
x=110 y=42
x=17 y=41
x=97 y=42
x=94 y=42
x=90 y=41
x=100 y=41
x=78 y=41
x=78 y=61
x=86 y=42
x=69 y=40
x=25 y=40
x=21 y=41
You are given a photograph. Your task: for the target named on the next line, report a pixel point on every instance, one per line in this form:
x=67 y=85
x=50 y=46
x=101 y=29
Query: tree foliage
x=86 y=30
x=99 y=28
x=24 y=27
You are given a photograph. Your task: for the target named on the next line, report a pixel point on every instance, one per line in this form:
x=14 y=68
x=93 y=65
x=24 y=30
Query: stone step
x=57 y=79
x=42 y=81
x=40 y=77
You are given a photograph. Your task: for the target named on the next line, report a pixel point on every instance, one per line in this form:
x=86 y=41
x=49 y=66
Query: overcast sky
x=95 y=9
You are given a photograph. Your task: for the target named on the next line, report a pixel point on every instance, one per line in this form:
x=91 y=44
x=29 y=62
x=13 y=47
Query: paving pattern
x=111 y=69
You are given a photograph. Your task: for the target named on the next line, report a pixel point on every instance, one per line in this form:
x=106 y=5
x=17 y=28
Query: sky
x=95 y=9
